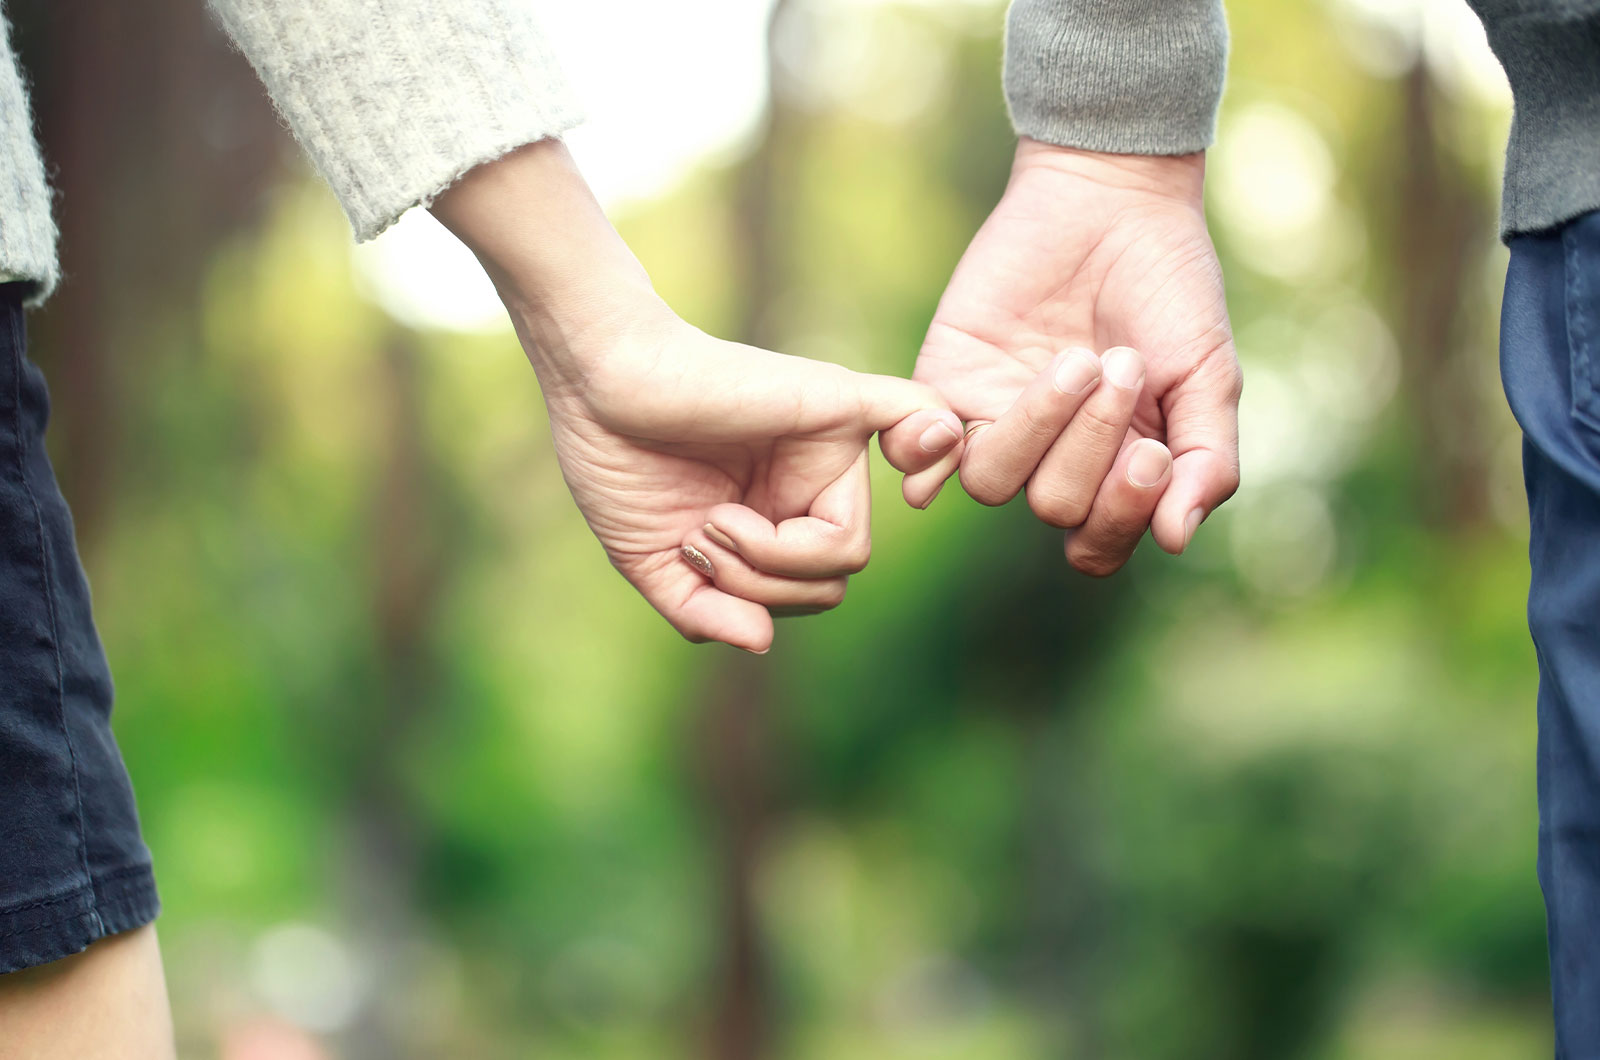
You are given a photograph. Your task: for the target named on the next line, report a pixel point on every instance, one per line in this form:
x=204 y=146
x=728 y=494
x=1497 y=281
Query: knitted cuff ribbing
x=1124 y=76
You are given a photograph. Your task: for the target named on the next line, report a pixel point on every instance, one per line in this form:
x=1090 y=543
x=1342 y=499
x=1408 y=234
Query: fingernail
x=720 y=538
x=1078 y=371
x=1123 y=367
x=1148 y=465
x=752 y=651
x=1191 y=524
x=938 y=437
x=697 y=560
x=936 y=491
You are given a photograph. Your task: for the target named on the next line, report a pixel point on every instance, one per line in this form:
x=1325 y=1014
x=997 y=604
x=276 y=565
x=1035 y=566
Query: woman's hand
x=727 y=483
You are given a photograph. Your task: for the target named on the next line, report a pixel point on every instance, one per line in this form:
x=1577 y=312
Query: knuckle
x=1102 y=424
x=1037 y=425
x=1230 y=481
x=1093 y=560
x=833 y=595
x=857 y=555
x=985 y=487
x=1057 y=508
x=1233 y=382
x=1096 y=566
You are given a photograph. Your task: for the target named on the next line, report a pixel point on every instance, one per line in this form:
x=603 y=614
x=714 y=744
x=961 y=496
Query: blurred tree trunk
x=736 y=751
x=159 y=143
x=1438 y=222
x=735 y=732
x=413 y=544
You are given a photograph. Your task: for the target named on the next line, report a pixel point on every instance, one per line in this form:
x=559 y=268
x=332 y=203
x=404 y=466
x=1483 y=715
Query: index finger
x=999 y=458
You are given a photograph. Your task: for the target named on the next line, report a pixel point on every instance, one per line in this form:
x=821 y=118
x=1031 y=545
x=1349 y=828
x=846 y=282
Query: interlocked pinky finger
x=921 y=487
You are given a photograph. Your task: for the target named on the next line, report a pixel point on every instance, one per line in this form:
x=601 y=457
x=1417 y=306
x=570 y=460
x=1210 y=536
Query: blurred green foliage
x=1271 y=800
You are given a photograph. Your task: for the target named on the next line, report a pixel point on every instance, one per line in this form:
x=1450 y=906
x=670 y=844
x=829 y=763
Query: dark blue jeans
x=1550 y=361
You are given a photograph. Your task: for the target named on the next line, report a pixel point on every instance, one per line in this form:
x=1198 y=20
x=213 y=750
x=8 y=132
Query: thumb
x=1202 y=418
x=887 y=400
x=820 y=394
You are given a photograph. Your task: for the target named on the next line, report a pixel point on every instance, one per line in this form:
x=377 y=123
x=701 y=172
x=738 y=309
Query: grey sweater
x=1145 y=76
x=394 y=99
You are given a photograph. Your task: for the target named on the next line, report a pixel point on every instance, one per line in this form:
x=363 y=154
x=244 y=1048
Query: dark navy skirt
x=73 y=867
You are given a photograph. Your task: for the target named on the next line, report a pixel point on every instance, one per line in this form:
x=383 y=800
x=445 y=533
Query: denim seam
x=88 y=914
x=1580 y=334
x=128 y=878
x=18 y=344
x=76 y=892
x=136 y=903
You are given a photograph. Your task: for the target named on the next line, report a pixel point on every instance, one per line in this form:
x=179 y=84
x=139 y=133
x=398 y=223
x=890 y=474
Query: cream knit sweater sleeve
x=27 y=232
x=394 y=99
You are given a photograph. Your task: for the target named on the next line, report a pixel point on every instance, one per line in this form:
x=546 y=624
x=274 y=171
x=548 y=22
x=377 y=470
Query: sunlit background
x=423 y=777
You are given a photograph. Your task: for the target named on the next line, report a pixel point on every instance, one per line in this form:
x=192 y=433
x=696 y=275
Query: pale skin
x=666 y=436
x=669 y=437
x=1083 y=343
x=107 y=1003
x=1089 y=253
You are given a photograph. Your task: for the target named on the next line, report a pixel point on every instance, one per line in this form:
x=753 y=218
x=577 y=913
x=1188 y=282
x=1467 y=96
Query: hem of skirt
x=47 y=930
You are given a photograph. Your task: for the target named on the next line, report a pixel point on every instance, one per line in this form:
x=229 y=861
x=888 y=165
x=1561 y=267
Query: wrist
x=572 y=287
x=1180 y=178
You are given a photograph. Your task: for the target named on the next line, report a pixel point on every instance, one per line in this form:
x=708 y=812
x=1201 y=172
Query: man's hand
x=728 y=484
x=1089 y=252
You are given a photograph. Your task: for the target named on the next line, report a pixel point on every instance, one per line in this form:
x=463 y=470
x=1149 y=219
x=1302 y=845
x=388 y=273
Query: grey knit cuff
x=1125 y=76
x=393 y=100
